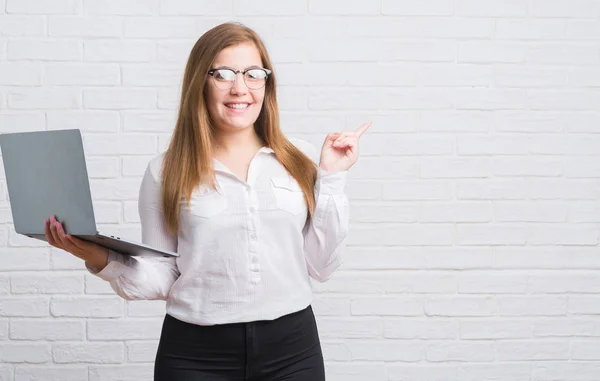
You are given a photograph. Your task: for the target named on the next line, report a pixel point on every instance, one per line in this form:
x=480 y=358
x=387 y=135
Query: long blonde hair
x=188 y=160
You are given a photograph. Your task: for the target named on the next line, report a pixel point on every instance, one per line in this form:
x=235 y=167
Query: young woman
x=252 y=216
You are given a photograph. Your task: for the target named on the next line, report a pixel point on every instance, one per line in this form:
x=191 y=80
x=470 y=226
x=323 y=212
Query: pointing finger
x=362 y=129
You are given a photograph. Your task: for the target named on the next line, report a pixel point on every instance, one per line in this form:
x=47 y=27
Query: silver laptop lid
x=46 y=175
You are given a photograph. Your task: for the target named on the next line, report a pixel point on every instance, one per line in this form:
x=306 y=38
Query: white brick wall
x=473 y=253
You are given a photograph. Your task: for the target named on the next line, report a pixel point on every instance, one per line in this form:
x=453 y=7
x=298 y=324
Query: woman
x=251 y=215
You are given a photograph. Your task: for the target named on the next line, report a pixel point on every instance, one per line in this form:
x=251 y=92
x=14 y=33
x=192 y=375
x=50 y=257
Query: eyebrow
x=228 y=67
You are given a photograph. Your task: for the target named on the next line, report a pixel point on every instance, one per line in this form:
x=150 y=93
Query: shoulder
x=155 y=166
x=307 y=148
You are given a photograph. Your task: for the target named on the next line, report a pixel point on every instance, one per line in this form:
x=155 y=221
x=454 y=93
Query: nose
x=239 y=85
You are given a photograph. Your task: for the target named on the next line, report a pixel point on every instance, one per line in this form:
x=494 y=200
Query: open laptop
x=46 y=175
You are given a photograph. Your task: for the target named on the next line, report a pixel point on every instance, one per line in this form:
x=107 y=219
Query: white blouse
x=246 y=252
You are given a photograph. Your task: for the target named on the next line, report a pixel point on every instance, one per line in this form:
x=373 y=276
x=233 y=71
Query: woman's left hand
x=340 y=149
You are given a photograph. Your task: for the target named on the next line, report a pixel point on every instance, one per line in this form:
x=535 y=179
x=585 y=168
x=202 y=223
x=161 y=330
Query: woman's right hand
x=95 y=255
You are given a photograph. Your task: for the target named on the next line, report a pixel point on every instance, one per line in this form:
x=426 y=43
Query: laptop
x=46 y=174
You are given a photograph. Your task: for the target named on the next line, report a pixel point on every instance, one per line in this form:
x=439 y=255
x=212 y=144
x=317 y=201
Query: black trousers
x=287 y=348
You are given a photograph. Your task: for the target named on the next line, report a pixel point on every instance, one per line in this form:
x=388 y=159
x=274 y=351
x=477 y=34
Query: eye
x=224 y=75
x=256 y=74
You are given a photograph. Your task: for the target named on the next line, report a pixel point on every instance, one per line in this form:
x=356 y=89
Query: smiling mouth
x=237 y=106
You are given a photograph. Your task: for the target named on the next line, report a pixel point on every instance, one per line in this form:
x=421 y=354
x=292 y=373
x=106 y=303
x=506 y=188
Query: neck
x=239 y=141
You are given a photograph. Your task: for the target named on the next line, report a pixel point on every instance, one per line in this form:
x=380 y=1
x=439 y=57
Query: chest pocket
x=288 y=194
x=207 y=202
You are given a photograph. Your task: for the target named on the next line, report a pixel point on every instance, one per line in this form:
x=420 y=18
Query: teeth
x=237 y=105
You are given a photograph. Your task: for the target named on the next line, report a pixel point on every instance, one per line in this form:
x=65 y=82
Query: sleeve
x=144 y=278
x=325 y=233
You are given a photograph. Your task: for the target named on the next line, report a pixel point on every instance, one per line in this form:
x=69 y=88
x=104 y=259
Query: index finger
x=362 y=129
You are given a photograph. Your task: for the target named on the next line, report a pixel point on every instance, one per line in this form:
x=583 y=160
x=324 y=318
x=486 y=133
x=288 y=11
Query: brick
x=374 y=168
x=266 y=7
x=335 y=351
x=460 y=306
x=119 y=99
x=584 y=371
x=130 y=329
x=387 y=306
x=124 y=372
x=44 y=50
x=422 y=8
x=39 y=330
x=497 y=371
x=419 y=190
x=34 y=353
x=441 y=75
x=24 y=307
x=85 y=26
x=43 y=6
x=574 y=168
x=419 y=235
x=572 y=282
x=530 y=350
x=367 y=328
x=529 y=77
x=585 y=350
x=564 y=235
x=411 y=329
x=141 y=351
x=564 y=55
x=20 y=74
x=54 y=373
x=160 y=121
x=497 y=52
x=118 y=50
x=22 y=26
x=48 y=283
x=116 y=7
x=86 y=121
x=494 y=329
x=87 y=307
x=491 y=234
x=59 y=74
x=564 y=8
x=163 y=27
x=429 y=372
x=331 y=7
x=19 y=122
x=332 y=306
x=3 y=330
x=472 y=352
x=48 y=99
x=491 y=99
x=530 y=211
x=153 y=75
x=348 y=371
x=528 y=166
x=530 y=29
x=582 y=29
x=490 y=8
x=486 y=282
x=102 y=168
x=438 y=168
x=95 y=353
x=532 y=306
x=386 y=350
x=547 y=258
x=456 y=121
x=13 y=259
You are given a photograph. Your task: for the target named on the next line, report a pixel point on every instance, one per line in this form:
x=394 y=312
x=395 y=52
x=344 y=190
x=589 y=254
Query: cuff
x=331 y=182
x=114 y=269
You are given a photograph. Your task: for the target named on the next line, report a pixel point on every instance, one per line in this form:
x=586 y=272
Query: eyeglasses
x=254 y=78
